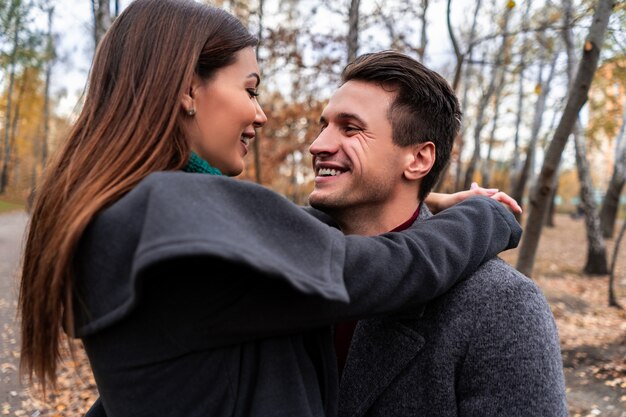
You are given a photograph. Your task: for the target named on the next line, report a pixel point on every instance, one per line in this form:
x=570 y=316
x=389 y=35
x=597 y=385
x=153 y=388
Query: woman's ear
x=420 y=161
x=187 y=100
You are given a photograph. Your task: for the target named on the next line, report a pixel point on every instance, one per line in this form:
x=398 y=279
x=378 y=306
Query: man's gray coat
x=488 y=347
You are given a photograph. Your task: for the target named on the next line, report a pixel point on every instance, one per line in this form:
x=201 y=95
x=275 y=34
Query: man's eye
x=351 y=128
x=252 y=92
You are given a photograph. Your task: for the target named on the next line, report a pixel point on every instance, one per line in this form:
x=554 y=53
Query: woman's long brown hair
x=129 y=126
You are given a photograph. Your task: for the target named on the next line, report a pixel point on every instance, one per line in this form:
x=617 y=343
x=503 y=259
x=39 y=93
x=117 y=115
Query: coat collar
x=381 y=348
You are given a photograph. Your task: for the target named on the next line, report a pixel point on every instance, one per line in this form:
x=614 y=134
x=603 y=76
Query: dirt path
x=11 y=231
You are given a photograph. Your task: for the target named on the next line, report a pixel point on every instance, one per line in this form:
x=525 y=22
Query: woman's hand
x=439 y=201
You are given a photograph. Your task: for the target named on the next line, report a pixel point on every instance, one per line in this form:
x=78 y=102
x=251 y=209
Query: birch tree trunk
x=596 y=249
x=577 y=97
x=610 y=204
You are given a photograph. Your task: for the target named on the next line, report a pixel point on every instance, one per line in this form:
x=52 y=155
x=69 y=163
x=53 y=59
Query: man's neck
x=376 y=219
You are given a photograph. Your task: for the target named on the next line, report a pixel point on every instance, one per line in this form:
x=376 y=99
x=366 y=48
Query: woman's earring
x=191 y=111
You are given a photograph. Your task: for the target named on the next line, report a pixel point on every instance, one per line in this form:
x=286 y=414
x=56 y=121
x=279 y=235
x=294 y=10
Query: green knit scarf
x=197 y=164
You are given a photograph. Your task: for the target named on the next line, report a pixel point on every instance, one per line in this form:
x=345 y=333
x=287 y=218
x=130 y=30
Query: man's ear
x=187 y=98
x=420 y=161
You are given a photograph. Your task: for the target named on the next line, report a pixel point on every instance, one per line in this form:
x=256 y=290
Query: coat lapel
x=381 y=348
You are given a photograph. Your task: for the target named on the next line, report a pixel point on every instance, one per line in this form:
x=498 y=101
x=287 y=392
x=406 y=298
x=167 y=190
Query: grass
x=6 y=206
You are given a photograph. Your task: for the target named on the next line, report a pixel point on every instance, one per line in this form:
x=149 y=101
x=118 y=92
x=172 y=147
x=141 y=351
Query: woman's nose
x=260 y=118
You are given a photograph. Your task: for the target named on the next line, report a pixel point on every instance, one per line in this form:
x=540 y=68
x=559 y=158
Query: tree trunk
x=101 y=19
x=256 y=143
x=610 y=204
x=4 y=175
x=612 y=299
x=486 y=173
x=550 y=216
x=540 y=106
x=423 y=36
x=484 y=101
x=596 y=249
x=516 y=164
x=460 y=58
x=353 y=30
x=576 y=99
x=460 y=140
x=46 y=106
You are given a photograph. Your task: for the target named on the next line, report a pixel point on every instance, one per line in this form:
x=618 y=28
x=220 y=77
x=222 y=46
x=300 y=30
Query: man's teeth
x=245 y=140
x=325 y=172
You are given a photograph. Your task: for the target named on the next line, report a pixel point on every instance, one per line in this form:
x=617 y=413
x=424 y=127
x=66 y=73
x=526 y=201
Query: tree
x=596 y=249
x=610 y=203
x=256 y=144
x=525 y=46
x=101 y=19
x=577 y=97
x=421 y=50
x=612 y=299
x=486 y=97
x=543 y=90
x=353 y=29
x=459 y=70
x=460 y=56
x=15 y=15
x=49 y=58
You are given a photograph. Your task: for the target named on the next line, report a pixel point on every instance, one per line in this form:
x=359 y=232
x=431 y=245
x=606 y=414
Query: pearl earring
x=191 y=111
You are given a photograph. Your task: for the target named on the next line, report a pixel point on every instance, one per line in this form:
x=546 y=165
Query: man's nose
x=326 y=142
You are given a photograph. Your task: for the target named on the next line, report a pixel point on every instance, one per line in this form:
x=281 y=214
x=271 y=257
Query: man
x=489 y=346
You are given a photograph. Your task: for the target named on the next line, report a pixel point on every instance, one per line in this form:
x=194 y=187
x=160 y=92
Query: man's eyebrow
x=255 y=75
x=352 y=116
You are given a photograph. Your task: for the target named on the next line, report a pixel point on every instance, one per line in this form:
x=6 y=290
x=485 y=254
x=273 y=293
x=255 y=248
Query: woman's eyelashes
x=252 y=92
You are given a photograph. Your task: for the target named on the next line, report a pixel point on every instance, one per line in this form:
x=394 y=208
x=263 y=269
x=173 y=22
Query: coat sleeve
x=260 y=265
x=513 y=366
x=379 y=274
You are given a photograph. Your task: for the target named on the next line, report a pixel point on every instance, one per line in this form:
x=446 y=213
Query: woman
x=200 y=294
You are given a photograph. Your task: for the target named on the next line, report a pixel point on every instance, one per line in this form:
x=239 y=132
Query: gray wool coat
x=199 y=295
x=488 y=347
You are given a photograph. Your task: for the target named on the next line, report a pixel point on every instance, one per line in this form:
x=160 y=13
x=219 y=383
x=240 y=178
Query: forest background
x=542 y=84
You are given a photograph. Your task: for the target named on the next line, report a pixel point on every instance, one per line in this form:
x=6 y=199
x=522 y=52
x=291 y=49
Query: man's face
x=356 y=163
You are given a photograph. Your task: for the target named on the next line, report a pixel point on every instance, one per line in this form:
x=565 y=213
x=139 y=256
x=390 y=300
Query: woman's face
x=227 y=113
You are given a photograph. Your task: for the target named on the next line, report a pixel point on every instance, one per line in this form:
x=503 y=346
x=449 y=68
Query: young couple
x=196 y=294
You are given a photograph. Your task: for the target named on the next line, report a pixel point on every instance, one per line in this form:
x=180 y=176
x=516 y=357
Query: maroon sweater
x=345 y=330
